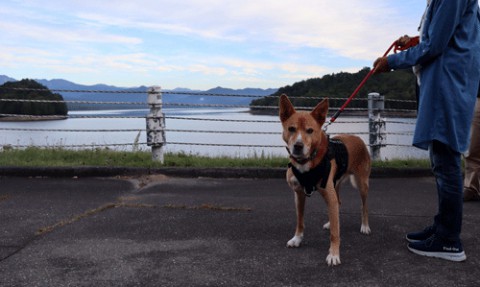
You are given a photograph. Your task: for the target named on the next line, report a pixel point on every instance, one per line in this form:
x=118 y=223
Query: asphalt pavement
x=165 y=230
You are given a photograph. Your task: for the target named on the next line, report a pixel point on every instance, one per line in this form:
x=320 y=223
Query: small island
x=28 y=110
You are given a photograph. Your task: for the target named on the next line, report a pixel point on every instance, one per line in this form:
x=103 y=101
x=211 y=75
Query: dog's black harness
x=319 y=175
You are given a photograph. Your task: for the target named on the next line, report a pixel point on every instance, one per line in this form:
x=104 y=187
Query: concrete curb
x=193 y=172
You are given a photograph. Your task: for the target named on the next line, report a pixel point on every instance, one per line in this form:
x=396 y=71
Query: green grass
x=402 y=163
x=57 y=157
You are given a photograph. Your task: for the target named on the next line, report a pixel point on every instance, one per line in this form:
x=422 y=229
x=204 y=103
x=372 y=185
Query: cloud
x=341 y=26
x=239 y=42
x=62 y=35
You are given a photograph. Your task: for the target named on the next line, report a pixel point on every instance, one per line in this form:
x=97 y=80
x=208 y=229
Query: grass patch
x=61 y=157
x=57 y=157
x=402 y=163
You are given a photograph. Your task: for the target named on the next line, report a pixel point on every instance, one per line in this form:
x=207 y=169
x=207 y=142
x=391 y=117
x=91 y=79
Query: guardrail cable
x=170 y=115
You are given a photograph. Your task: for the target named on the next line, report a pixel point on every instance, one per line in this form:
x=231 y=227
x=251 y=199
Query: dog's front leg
x=331 y=199
x=300 y=209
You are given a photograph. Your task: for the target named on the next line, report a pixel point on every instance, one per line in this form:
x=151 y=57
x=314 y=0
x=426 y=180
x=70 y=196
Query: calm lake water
x=399 y=132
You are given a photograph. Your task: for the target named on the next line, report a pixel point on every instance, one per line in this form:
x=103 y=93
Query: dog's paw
x=365 y=229
x=333 y=260
x=326 y=225
x=295 y=241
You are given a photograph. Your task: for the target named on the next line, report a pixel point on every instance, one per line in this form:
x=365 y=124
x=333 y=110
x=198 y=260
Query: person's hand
x=403 y=41
x=406 y=42
x=381 y=65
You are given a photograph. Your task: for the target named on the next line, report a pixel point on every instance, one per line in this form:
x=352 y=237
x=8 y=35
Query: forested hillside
x=397 y=85
x=13 y=90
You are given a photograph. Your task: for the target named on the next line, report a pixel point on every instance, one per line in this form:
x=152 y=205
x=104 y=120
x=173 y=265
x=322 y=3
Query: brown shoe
x=470 y=195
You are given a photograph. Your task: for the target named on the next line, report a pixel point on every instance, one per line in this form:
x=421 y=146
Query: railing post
x=155 y=123
x=376 y=124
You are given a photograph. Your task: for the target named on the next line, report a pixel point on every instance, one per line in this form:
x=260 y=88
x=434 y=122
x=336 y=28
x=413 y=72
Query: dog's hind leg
x=361 y=183
x=300 y=207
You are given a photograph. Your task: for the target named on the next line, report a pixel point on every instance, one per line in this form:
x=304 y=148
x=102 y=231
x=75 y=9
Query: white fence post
x=376 y=124
x=155 y=123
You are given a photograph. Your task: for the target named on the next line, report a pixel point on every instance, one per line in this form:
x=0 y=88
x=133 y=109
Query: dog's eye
x=310 y=131
x=292 y=129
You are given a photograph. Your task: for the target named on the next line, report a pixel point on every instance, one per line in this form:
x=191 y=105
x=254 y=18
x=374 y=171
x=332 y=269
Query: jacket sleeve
x=442 y=19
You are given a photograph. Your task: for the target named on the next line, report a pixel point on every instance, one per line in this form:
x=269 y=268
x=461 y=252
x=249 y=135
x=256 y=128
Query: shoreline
x=32 y=118
x=391 y=114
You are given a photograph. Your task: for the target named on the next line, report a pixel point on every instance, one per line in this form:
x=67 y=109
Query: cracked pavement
x=158 y=230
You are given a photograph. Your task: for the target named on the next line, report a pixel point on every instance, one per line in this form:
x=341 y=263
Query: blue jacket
x=449 y=56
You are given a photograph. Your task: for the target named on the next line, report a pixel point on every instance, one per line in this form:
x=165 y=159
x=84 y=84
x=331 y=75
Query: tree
x=397 y=85
x=30 y=90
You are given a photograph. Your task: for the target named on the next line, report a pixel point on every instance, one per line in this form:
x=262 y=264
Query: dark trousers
x=446 y=167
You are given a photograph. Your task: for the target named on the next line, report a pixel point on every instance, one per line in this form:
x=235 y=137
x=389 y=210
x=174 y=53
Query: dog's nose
x=298 y=148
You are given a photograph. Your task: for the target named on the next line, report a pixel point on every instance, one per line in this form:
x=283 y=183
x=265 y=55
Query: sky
x=198 y=44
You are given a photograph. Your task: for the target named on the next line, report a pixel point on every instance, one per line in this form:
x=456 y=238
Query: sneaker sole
x=411 y=240
x=456 y=257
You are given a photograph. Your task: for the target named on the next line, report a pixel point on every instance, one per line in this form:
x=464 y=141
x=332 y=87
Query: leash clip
x=326 y=125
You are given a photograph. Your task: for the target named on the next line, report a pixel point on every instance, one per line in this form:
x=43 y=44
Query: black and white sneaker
x=439 y=248
x=420 y=235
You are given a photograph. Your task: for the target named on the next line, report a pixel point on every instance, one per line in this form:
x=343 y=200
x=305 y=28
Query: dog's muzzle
x=298 y=156
x=298 y=149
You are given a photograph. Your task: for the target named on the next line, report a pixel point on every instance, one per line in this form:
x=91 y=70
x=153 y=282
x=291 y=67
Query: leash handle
x=414 y=41
x=372 y=71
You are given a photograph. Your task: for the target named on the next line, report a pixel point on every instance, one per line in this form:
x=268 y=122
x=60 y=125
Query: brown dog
x=317 y=163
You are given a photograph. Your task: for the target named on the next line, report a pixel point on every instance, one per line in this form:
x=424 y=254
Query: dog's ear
x=286 y=108
x=319 y=113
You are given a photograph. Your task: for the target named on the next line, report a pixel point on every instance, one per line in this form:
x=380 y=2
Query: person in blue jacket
x=447 y=64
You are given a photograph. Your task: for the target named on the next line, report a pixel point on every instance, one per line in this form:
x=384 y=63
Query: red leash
x=413 y=42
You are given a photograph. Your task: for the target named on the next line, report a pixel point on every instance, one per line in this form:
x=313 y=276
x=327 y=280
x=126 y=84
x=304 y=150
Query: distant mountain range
x=178 y=95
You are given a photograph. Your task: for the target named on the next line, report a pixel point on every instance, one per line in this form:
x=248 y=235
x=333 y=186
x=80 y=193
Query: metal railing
x=157 y=131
